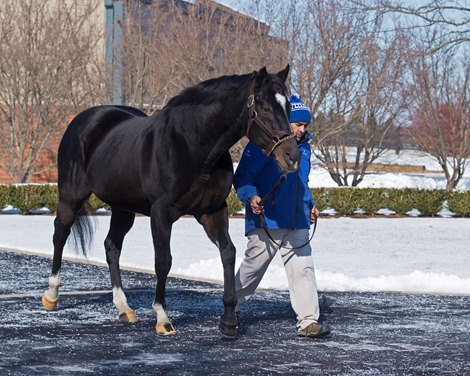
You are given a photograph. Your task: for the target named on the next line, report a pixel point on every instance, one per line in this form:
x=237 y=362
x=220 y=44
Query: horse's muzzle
x=287 y=156
x=292 y=161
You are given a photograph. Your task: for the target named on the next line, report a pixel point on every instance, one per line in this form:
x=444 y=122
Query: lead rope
x=263 y=220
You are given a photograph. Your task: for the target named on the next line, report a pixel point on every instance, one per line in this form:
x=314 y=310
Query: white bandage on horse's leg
x=120 y=300
x=53 y=292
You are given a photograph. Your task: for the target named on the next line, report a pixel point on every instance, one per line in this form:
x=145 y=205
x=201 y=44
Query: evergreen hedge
x=4 y=189
x=401 y=201
x=31 y=197
x=459 y=203
x=345 y=200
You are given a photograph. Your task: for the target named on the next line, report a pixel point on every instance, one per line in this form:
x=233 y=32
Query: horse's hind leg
x=121 y=223
x=67 y=212
x=216 y=226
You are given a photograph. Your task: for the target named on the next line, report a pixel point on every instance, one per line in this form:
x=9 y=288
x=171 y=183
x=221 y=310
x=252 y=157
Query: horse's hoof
x=165 y=329
x=128 y=317
x=228 y=330
x=48 y=304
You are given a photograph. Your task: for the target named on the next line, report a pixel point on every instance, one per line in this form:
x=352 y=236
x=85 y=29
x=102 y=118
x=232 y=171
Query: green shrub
x=233 y=203
x=429 y=203
x=343 y=200
x=370 y=199
x=459 y=203
x=95 y=203
x=31 y=197
x=401 y=201
x=4 y=190
x=320 y=196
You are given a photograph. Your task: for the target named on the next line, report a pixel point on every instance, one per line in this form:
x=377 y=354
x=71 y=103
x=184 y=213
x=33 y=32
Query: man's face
x=299 y=129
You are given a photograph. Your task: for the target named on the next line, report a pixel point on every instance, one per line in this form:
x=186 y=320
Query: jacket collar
x=305 y=138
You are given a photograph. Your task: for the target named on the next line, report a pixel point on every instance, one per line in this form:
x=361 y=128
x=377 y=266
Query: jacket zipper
x=297 y=200
x=273 y=204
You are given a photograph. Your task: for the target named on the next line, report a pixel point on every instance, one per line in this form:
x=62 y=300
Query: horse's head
x=268 y=119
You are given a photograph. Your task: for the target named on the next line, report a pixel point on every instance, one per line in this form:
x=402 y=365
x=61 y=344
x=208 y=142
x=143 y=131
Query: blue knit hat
x=299 y=113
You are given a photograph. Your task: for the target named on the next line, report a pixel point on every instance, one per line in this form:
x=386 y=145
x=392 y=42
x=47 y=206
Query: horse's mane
x=208 y=91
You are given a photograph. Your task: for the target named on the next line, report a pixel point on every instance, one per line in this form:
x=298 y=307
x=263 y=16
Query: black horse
x=172 y=163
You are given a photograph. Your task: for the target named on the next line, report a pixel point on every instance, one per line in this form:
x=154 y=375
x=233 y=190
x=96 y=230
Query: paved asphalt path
x=374 y=333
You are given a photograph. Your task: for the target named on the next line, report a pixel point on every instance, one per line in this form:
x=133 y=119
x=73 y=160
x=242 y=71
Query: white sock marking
x=120 y=300
x=53 y=293
x=160 y=313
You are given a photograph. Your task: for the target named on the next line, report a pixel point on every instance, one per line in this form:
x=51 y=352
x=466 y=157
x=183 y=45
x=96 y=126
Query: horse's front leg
x=216 y=226
x=161 y=223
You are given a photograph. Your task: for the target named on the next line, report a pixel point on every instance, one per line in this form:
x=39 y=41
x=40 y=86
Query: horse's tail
x=83 y=230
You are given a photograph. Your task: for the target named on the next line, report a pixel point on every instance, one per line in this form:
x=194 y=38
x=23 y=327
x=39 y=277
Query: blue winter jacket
x=290 y=206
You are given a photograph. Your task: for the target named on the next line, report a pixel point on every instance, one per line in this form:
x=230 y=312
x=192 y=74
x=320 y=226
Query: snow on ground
x=370 y=254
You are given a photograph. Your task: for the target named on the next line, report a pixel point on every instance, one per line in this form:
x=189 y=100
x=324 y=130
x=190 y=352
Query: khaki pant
x=298 y=264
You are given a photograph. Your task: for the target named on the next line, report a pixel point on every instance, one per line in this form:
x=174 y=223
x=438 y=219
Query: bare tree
x=350 y=75
x=170 y=45
x=49 y=69
x=441 y=36
x=362 y=107
x=440 y=121
x=447 y=21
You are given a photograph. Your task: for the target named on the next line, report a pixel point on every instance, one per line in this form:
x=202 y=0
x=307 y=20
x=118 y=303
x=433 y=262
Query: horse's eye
x=265 y=108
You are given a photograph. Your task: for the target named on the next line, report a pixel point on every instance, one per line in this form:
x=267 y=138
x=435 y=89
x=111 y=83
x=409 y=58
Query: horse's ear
x=261 y=76
x=284 y=73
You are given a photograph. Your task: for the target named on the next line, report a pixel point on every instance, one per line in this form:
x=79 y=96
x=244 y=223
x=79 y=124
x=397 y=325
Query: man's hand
x=255 y=205
x=314 y=214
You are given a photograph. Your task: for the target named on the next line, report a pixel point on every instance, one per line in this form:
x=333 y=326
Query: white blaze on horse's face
x=282 y=100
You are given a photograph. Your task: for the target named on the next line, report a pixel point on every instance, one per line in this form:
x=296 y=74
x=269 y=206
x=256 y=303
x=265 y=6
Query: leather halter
x=277 y=137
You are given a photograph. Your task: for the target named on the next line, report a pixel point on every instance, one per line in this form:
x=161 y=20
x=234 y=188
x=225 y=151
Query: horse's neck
x=234 y=128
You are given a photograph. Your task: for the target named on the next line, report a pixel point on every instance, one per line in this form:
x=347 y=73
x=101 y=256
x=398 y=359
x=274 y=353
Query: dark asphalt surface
x=374 y=333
